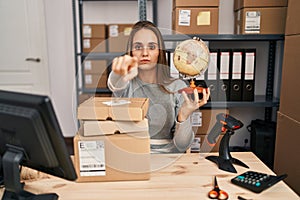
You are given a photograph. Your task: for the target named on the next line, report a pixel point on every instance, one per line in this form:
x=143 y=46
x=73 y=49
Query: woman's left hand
x=189 y=105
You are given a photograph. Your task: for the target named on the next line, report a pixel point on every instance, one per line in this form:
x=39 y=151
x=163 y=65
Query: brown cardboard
x=200 y=144
x=293 y=18
x=196 y=3
x=108 y=127
x=289 y=95
x=118 y=35
x=272 y=20
x=208 y=120
x=96 y=108
x=85 y=96
x=92 y=81
x=96 y=45
x=287 y=150
x=95 y=66
x=239 y=4
x=93 y=31
x=117 y=157
x=196 y=20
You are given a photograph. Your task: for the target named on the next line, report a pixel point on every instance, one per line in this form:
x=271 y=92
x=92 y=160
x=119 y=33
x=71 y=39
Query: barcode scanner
x=228 y=124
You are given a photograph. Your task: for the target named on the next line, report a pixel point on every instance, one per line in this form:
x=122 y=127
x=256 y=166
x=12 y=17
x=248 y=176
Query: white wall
x=59 y=25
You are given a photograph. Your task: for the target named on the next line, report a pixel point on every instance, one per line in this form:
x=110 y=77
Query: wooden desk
x=174 y=176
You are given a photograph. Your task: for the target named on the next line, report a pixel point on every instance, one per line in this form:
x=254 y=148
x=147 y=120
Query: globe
x=191 y=57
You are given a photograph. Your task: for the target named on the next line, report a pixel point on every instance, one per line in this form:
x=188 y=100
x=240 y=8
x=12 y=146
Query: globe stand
x=225 y=161
x=190 y=90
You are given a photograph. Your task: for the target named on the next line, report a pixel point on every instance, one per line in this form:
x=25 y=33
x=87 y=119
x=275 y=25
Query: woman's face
x=145 y=48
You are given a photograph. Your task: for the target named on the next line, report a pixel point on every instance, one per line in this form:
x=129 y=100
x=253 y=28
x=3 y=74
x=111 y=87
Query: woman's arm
x=124 y=69
x=184 y=135
x=116 y=82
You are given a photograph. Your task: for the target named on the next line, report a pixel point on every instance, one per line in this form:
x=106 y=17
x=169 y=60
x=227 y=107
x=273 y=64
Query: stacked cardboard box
x=260 y=17
x=195 y=17
x=93 y=38
x=113 y=142
x=203 y=122
x=95 y=71
x=288 y=118
x=118 y=35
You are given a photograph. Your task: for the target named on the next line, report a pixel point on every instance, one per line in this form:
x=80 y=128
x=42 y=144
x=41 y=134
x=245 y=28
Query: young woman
x=143 y=72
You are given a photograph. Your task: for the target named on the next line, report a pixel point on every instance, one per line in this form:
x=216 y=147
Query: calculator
x=256 y=181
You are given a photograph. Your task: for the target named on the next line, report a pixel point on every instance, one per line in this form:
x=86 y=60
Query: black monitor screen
x=30 y=133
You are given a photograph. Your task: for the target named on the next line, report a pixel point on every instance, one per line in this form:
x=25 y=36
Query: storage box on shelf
x=118 y=35
x=94 y=41
x=239 y=4
x=195 y=17
x=288 y=119
x=93 y=36
x=293 y=18
x=287 y=150
x=289 y=97
x=260 y=17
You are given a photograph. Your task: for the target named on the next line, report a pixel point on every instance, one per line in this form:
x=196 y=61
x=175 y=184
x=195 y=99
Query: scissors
x=217 y=193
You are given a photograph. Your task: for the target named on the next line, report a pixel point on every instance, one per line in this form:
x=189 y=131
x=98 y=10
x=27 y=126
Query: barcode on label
x=92 y=166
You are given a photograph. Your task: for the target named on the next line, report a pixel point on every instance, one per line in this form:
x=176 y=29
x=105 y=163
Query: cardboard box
x=108 y=127
x=207 y=119
x=122 y=109
x=116 y=157
x=200 y=145
x=85 y=96
x=95 y=45
x=196 y=20
x=93 y=31
x=293 y=18
x=93 y=81
x=195 y=3
x=95 y=66
x=289 y=95
x=118 y=35
x=239 y=4
x=269 y=20
x=287 y=150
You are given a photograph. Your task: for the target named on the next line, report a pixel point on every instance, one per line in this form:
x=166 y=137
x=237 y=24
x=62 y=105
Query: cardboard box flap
x=108 y=127
x=239 y=4
x=122 y=109
x=193 y=3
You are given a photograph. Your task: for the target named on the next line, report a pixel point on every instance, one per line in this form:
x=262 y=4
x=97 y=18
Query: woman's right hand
x=126 y=66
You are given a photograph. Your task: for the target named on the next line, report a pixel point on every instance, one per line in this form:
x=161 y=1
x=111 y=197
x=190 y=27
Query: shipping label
x=91 y=158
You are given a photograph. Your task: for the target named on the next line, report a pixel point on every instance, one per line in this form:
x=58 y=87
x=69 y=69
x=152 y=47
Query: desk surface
x=174 y=176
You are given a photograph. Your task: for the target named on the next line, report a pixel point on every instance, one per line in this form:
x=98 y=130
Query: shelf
x=100 y=56
x=112 y=0
x=226 y=37
x=94 y=91
x=259 y=101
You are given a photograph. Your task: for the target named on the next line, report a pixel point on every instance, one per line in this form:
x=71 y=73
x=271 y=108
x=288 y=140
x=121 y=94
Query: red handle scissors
x=217 y=193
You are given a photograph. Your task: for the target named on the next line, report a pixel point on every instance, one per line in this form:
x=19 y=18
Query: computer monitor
x=30 y=136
